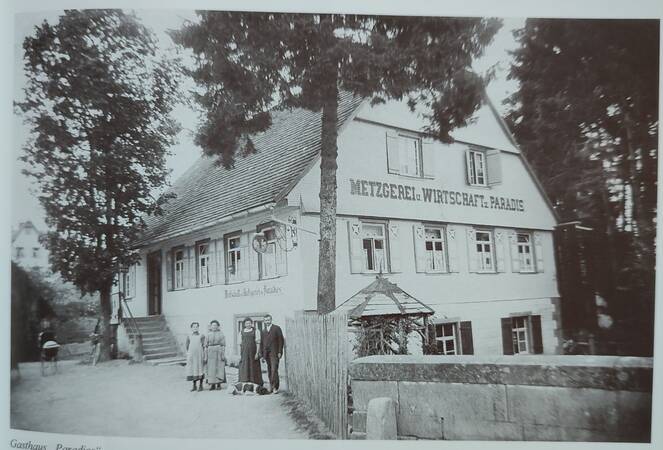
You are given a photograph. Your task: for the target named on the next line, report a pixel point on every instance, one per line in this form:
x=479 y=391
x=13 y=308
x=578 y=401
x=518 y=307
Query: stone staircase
x=159 y=344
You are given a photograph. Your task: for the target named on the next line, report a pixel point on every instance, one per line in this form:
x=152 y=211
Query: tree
x=97 y=99
x=248 y=63
x=586 y=115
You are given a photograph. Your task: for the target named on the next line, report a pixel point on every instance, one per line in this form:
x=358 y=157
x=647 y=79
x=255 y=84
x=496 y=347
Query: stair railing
x=134 y=328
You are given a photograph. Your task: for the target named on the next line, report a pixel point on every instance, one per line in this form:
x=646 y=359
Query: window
x=446 y=337
x=268 y=259
x=476 y=168
x=35 y=252
x=178 y=268
x=525 y=254
x=436 y=260
x=484 y=251
x=234 y=259
x=19 y=252
x=373 y=244
x=203 y=255
x=406 y=156
x=129 y=283
x=521 y=334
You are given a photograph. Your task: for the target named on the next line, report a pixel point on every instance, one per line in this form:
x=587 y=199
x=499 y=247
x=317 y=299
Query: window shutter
x=211 y=251
x=419 y=248
x=537 y=338
x=452 y=249
x=494 y=167
x=515 y=259
x=169 y=270
x=190 y=268
x=538 y=251
x=394 y=248
x=244 y=257
x=466 y=338
x=219 y=257
x=499 y=252
x=281 y=254
x=468 y=170
x=507 y=338
x=428 y=157
x=393 y=153
x=356 y=251
x=254 y=260
x=133 y=279
x=472 y=258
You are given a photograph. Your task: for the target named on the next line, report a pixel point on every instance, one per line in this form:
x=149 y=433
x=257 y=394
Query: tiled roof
x=383 y=298
x=207 y=192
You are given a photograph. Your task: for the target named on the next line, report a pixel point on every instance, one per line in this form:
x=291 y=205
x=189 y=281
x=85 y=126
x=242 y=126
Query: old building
x=464 y=227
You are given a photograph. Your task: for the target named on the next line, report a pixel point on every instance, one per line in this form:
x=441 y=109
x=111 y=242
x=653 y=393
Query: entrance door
x=154 y=283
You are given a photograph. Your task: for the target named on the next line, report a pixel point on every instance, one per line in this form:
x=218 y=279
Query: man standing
x=271 y=344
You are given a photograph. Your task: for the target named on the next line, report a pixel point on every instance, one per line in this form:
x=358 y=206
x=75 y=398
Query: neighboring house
x=27 y=251
x=463 y=227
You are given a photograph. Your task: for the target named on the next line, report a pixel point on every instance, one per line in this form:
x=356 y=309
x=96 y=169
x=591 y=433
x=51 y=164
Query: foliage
x=384 y=335
x=248 y=63
x=98 y=100
x=586 y=115
x=31 y=301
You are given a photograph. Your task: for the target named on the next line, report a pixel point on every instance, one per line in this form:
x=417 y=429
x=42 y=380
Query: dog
x=242 y=388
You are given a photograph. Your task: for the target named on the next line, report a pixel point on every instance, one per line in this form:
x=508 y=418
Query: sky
x=24 y=205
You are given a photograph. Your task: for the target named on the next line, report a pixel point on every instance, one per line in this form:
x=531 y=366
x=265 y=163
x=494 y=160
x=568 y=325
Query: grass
x=305 y=419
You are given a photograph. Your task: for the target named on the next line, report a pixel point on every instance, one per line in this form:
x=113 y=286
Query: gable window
x=410 y=155
x=525 y=254
x=178 y=268
x=373 y=244
x=521 y=334
x=476 y=168
x=203 y=260
x=484 y=251
x=436 y=260
x=35 y=251
x=19 y=252
x=233 y=259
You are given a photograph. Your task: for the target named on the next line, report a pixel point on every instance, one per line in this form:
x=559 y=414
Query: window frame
x=478 y=255
x=175 y=270
x=199 y=266
x=129 y=283
x=530 y=244
x=445 y=251
x=385 y=246
x=262 y=256
x=526 y=329
x=455 y=338
x=227 y=251
x=403 y=153
x=473 y=178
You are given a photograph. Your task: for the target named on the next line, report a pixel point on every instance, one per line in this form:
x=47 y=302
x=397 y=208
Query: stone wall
x=537 y=397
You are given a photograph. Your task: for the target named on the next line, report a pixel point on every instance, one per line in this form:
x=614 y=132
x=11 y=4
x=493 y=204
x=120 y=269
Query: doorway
x=154 y=283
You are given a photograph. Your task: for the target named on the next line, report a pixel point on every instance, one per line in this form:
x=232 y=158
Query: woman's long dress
x=194 y=357
x=216 y=350
x=249 y=367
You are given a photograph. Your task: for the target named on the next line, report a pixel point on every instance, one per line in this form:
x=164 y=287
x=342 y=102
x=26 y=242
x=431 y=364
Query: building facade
x=27 y=251
x=463 y=227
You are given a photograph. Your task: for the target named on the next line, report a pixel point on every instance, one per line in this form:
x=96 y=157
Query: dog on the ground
x=243 y=388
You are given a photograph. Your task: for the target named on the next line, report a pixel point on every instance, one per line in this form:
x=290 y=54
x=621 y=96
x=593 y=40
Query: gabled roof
x=383 y=298
x=207 y=192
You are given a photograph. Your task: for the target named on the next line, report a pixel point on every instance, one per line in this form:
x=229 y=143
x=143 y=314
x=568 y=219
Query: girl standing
x=195 y=343
x=249 y=364
x=215 y=346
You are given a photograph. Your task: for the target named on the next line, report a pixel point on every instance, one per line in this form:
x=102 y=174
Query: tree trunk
x=328 y=166
x=105 y=300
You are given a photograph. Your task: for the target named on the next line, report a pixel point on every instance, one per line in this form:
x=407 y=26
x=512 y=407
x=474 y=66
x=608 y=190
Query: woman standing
x=215 y=345
x=195 y=344
x=249 y=363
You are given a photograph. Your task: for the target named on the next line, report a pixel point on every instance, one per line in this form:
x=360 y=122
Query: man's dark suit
x=271 y=343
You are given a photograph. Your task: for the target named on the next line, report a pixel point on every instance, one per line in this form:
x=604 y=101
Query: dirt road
x=140 y=400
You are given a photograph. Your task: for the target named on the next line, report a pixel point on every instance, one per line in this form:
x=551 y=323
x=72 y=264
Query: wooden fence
x=317 y=359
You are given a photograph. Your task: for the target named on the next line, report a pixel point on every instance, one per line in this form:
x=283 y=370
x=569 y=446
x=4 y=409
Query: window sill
x=479 y=186
x=272 y=278
x=527 y=272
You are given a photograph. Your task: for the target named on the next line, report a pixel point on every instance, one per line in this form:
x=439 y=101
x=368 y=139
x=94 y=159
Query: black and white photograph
x=264 y=223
